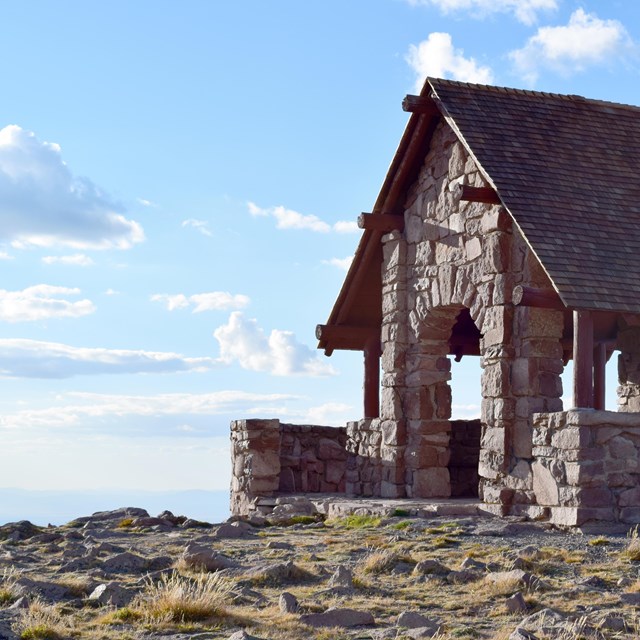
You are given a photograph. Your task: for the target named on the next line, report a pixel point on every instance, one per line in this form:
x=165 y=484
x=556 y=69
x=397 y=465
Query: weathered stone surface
x=288 y=603
x=112 y=594
x=199 y=557
x=342 y=577
x=545 y=485
x=336 y=617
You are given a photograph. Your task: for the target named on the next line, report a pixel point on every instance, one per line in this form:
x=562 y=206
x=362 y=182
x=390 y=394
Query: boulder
x=126 y=562
x=336 y=617
x=342 y=577
x=288 y=603
x=199 y=557
x=112 y=594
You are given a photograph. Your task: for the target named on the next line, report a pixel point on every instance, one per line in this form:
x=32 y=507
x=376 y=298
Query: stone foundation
x=270 y=458
x=586 y=466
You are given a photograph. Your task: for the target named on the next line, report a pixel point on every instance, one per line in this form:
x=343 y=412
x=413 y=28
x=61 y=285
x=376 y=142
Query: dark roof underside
x=567 y=169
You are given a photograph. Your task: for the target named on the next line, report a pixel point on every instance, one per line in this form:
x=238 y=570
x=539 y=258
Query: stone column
x=255 y=458
x=391 y=425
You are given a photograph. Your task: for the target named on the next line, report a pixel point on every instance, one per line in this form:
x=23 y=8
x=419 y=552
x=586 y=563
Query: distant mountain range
x=59 y=507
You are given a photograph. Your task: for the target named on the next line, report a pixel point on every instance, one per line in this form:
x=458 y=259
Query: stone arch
x=427 y=406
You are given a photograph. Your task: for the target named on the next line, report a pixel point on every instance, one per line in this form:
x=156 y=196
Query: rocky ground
x=125 y=575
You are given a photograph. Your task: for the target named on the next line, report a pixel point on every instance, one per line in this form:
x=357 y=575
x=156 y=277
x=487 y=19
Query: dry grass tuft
x=632 y=550
x=9 y=590
x=41 y=622
x=180 y=599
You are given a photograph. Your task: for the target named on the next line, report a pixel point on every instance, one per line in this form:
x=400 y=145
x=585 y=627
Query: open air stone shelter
x=508 y=227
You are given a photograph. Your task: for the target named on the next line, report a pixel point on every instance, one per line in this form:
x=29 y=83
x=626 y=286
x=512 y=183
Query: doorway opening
x=466 y=427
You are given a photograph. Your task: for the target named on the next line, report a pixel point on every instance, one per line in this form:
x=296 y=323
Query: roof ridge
x=530 y=92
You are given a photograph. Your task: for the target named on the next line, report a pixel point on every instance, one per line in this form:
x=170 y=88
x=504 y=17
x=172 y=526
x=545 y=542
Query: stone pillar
x=255 y=458
x=629 y=369
x=391 y=428
x=427 y=407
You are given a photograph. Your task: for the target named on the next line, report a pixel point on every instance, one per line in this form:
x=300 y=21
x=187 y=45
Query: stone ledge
x=589 y=418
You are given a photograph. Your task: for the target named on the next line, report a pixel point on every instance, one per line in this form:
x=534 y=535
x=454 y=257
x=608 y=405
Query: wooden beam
x=420 y=104
x=346 y=333
x=582 y=359
x=540 y=298
x=371 y=385
x=599 y=379
x=478 y=194
x=384 y=222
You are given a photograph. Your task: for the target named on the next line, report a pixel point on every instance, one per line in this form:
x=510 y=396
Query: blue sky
x=179 y=184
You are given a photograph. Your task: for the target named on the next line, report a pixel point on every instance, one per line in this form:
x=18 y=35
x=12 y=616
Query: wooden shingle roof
x=568 y=171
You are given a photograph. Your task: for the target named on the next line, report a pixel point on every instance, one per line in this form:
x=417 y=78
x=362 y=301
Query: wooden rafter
x=420 y=104
x=479 y=194
x=385 y=222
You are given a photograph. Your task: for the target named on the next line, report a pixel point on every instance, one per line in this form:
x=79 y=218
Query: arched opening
x=466 y=427
x=442 y=455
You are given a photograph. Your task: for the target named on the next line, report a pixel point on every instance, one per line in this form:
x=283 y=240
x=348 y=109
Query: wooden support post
x=599 y=365
x=372 y=379
x=582 y=359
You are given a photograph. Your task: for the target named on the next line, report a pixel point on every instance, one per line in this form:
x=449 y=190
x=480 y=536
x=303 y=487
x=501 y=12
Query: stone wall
x=269 y=458
x=587 y=466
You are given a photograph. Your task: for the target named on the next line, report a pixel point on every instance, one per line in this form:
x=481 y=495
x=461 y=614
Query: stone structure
x=270 y=457
x=484 y=243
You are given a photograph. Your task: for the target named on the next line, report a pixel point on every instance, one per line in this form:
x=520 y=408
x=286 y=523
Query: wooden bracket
x=479 y=194
x=420 y=104
x=384 y=222
x=540 y=298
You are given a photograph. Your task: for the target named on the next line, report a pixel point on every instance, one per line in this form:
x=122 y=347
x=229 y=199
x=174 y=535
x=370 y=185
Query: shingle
x=567 y=169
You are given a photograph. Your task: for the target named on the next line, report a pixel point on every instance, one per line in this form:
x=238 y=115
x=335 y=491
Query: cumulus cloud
x=290 y=219
x=437 y=57
x=211 y=301
x=241 y=340
x=585 y=41
x=341 y=263
x=22 y=358
x=201 y=226
x=77 y=259
x=75 y=407
x=525 y=11
x=43 y=204
x=42 y=302
x=5 y=256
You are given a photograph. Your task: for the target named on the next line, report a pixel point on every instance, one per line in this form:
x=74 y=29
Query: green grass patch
x=358 y=522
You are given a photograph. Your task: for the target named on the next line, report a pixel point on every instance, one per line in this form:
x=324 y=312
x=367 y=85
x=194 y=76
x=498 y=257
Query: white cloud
x=22 y=358
x=74 y=408
x=585 y=41
x=525 y=11
x=437 y=57
x=242 y=340
x=211 y=301
x=341 y=263
x=43 y=204
x=202 y=226
x=77 y=259
x=290 y=219
x=5 y=256
x=42 y=302
x=111 y=292
x=146 y=203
